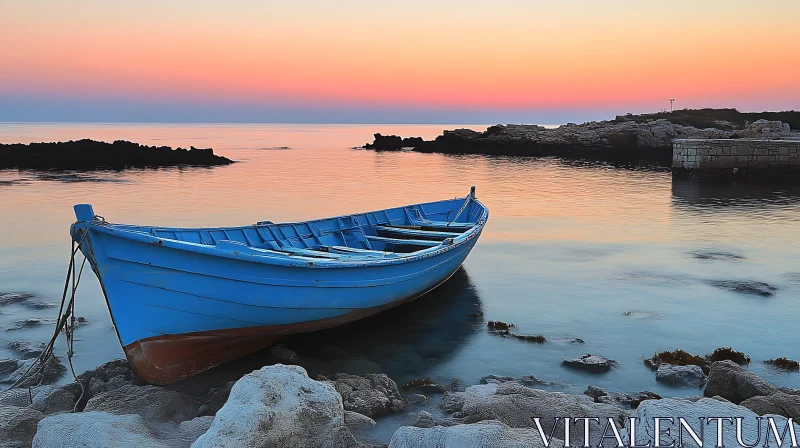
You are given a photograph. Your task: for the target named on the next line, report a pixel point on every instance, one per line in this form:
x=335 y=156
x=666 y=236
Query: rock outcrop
x=625 y=139
x=152 y=403
x=372 y=395
x=91 y=155
x=691 y=411
x=516 y=405
x=732 y=382
x=778 y=403
x=18 y=425
x=682 y=376
x=280 y=406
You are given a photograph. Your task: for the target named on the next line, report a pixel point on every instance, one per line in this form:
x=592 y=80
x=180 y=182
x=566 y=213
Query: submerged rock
x=732 y=382
x=683 y=376
x=595 y=392
x=532 y=380
x=416 y=398
x=11 y=370
x=18 y=425
x=590 y=363
x=482 y=434
x=676 y=358
x=7 y=298
x=284 y=355
x=280 y=405
x=27 y=350
x=784 y=364
x=27 y=323
x=40 y=305
x=745 y=287
x=713 y=255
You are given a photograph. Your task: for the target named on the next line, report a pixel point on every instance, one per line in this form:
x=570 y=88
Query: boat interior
x=379 y=234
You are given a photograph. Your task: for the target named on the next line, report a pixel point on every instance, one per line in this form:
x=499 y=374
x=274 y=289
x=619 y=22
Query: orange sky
x=499 y=55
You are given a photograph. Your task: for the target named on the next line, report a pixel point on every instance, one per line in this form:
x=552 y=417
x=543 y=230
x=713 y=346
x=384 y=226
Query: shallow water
x=569 y=250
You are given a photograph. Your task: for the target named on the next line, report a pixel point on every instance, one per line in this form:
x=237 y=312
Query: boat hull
x=178 y=313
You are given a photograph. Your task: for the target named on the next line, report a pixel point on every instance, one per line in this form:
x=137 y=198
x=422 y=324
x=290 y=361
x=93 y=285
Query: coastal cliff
x=626 y=139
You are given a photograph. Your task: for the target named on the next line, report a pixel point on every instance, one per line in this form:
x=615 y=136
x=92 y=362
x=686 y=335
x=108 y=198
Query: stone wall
x=736 y=158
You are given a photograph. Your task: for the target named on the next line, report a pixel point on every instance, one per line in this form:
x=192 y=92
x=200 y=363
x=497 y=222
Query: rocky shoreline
x=280 y=405
x=93 y=155
x=624 y=140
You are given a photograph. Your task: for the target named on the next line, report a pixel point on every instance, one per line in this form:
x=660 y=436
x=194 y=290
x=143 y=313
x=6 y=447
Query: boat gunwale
x=265 y=256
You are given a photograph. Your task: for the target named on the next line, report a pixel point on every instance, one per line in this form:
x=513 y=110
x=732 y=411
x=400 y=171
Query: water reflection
x=715 y=196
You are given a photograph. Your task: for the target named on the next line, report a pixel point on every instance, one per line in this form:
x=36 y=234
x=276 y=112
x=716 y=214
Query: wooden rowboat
x=184 y=300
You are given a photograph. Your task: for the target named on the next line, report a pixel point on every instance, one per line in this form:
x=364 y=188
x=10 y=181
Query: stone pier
x=737 y=158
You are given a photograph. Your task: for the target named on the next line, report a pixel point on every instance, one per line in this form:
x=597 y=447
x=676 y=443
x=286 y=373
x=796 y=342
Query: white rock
x=692 y=411
x=279 y=405
x=484 y=434
x=95 y=430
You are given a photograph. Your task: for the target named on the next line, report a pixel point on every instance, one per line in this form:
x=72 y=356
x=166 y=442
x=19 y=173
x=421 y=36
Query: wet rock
x=11 y=370
x=356 y=421
x=280 y=405
x=47 y=399
x=745 y=287
x=514 y=405
x=531 y=380
x=7 y=298
x=723 y=353
x=682 y=376
x=27 y=350
x=590 y=363
x=107 y=377
x=691 y=412
x=40 y=305
x=416 y=398
x=27 y=323
x=373 y=395
x=152 y=403
x=778 y=403
x=577 y=341
x=640 y=397
x=784 y=364
x=729 y=380
x=676 y=358
x=284 y=355
x=424 y=420
x=499 y=326
x=788 y=390
x=595 y=392
x=495 y=379
x=712 y=255
x=481 y=434
x=18 y=425
x=216 y=397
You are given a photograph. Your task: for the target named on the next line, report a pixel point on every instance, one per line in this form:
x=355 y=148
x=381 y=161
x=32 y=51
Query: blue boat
x=184 y=300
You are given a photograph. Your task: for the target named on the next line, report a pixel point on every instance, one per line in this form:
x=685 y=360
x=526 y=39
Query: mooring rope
x=66 y=320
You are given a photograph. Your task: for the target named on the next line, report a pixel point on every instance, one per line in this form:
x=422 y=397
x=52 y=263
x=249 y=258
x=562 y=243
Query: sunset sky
x=409 y=61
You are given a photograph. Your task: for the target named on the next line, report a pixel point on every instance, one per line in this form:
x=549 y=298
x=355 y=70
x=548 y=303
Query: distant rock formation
x=625 y=139
x=91 y=155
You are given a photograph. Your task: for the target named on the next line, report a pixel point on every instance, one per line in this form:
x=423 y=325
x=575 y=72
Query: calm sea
x=627 y=260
